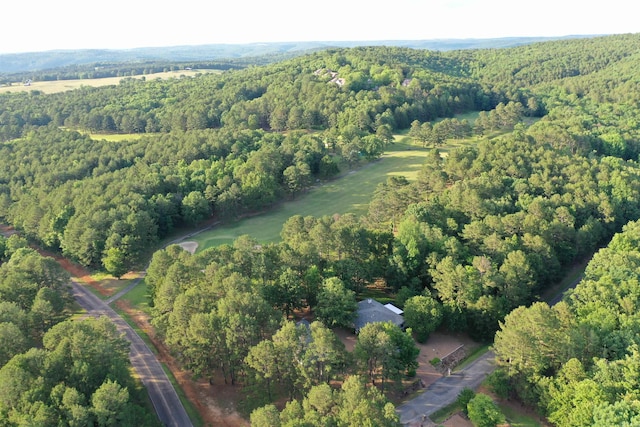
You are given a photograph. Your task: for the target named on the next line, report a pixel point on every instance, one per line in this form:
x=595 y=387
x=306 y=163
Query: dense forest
x=577 y=361
x=478 y=236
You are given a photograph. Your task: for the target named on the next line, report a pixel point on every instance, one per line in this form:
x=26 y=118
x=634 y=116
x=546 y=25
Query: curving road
x=163 y=395
x=161 y=392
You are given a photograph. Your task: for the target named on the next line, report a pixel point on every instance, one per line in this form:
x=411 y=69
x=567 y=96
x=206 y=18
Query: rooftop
x=370 y=311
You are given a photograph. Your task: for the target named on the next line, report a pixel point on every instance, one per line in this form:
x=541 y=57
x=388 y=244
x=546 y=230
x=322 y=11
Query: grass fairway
x=349 y=193
x=117 y=137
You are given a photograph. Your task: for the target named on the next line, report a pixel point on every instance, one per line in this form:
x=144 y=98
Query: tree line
x=577 y=361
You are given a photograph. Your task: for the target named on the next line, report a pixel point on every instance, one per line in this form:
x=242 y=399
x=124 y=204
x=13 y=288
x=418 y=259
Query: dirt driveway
x=438 y=345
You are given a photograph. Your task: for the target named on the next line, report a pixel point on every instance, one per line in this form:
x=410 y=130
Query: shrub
x=483 y=412
x=465 y=397
x=499 y=383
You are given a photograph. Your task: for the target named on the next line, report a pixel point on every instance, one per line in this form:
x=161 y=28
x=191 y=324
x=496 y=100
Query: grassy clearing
x=139 y=297
x=65 y=85
x=117 y=137
x=349 y=193
x=516 y=418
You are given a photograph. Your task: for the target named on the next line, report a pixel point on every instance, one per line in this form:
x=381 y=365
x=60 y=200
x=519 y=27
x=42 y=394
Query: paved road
x=445 y=390
x=162 y=393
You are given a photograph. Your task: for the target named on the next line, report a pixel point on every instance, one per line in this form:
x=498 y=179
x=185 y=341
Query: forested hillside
x=212 y=149
x=483 y=230
x=63 y=64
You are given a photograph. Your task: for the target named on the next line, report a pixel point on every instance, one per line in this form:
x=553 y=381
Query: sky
x=41 y=25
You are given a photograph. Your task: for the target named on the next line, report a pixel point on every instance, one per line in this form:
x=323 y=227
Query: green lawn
x=139 y=297
x=517 y=418
x=350 y=193
x=117 y=137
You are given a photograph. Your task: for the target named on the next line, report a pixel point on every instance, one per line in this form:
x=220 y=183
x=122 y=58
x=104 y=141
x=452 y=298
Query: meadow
x=349 y=193
x=56 y=86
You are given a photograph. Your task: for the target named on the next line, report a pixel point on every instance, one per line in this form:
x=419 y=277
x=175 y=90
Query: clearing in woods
x=349 y=193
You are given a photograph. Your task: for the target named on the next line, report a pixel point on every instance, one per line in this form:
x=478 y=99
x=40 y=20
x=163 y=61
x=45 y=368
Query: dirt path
x=7 y=231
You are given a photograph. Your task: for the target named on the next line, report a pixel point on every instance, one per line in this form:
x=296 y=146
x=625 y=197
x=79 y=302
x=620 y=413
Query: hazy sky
x=38 y=25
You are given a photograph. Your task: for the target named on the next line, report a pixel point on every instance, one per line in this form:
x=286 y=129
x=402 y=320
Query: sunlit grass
x=139 y=297
x=117 y=137
x=349 y=194
x=56 y=86
x=516 y=418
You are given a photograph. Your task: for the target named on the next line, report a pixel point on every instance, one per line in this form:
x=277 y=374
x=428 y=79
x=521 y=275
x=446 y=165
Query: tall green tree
x=423 y=315
x=385 y=352
x=336 y=305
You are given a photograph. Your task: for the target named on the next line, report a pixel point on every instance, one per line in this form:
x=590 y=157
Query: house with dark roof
x=370 y=311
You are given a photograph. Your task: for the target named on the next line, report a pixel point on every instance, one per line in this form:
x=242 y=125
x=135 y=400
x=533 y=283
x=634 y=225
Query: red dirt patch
x=438 y=345
x=76 y=271
x=457 y=420
x=7 y=230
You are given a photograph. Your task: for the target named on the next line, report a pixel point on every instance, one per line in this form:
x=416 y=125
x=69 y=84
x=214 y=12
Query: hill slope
x=38 y=61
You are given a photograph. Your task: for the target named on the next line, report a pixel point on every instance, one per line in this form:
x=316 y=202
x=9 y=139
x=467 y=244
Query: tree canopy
x=469 y=244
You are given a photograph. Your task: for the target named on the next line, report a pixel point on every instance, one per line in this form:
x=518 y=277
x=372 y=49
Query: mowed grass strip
x=118 y=137
x=350 y=193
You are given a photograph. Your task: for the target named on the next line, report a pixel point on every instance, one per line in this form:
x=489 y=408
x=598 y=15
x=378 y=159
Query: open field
x=64 y=85
x=117 y=137
x=349 y=193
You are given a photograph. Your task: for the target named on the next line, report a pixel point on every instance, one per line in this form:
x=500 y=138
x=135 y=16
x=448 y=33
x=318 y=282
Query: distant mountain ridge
x=37 y=61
